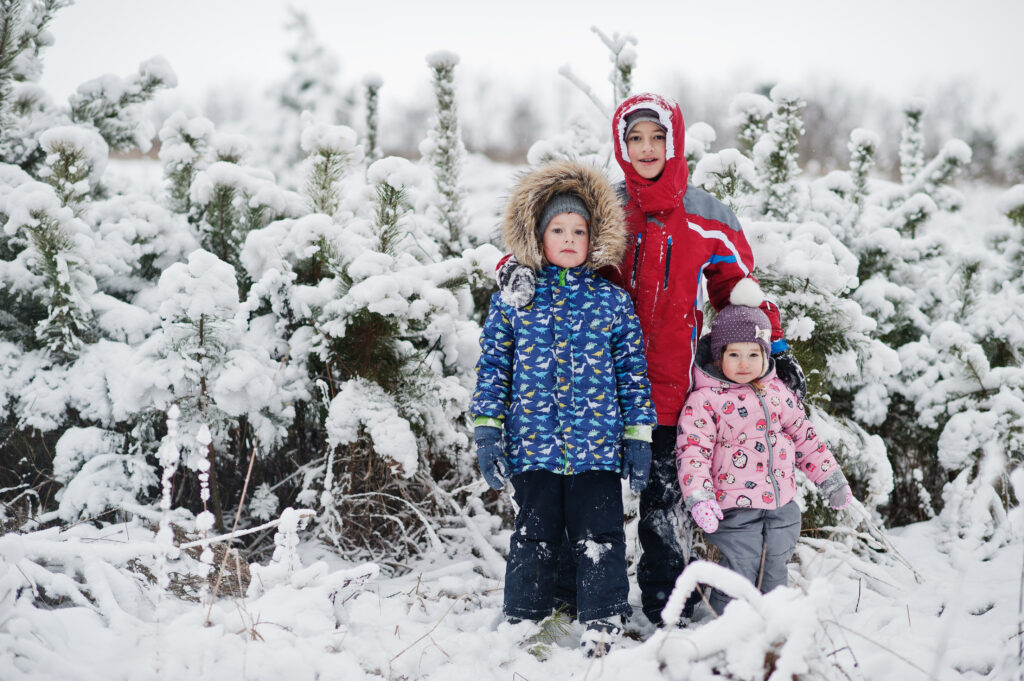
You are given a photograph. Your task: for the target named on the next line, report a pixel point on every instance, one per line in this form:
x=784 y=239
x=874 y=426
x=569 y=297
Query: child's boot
x=600 y=635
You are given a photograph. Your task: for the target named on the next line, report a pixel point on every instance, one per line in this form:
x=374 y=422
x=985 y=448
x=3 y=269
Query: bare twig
x=885 y=648
x=431 y=630
x=567 y=73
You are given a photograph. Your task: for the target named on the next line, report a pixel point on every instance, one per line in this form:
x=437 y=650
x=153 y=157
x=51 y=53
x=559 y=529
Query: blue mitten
x=490 y=455
x=636 y=463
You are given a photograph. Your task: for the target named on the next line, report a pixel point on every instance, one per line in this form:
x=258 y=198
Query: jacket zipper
x=768 y=443
x=668 y=261
x=636 y=258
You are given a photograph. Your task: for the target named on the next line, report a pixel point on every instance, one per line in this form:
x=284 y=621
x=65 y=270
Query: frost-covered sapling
x=911 y=153
x=372 y=84
x=184 y=143
x=445 y=151
x=623 y=57
x=53 y=266
x=775 y=155
x=330 y=152
x=75 y=160
x=23 y=34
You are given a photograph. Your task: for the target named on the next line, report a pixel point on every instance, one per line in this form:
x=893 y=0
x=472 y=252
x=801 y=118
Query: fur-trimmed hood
x=533 y=190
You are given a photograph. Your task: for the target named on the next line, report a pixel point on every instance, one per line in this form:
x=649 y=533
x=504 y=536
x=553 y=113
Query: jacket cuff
x=697 y=497
x=835 y=480
x=638 y=433
x=487 y=421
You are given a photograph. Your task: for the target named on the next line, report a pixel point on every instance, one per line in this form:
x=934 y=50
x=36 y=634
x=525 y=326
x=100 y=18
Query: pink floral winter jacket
x=741 y=445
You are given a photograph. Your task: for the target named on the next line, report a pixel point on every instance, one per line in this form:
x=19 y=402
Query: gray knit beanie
x=741 y=321
x=563 y=202
x=634 y=117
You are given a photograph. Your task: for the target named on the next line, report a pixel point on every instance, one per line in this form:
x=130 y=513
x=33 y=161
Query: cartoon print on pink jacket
x=741 y=445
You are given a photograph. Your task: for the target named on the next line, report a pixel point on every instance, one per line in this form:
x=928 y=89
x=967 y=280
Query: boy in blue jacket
x=562 y=404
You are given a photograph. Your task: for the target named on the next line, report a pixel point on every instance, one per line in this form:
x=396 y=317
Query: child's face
x=566 y=240
x=645 y=144
x=743 y=362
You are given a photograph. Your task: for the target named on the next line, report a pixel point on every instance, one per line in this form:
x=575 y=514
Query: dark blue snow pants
x=663 y=531
x=587 y=508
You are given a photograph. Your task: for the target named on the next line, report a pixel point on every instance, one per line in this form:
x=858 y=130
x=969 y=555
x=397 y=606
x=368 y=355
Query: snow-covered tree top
x=1011 y=199
x=323 y=138
x=373 y=80
x=749 y=103
x=395 y=171
x=442 y=59
x=863 y=137
x=701 y=133
x=786 y=91
x=914 y=105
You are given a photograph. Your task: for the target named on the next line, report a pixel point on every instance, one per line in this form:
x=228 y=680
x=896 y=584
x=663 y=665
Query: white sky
x=896 y=47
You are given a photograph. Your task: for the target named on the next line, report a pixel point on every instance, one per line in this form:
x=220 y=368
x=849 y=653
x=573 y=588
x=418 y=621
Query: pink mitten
x=707 y=513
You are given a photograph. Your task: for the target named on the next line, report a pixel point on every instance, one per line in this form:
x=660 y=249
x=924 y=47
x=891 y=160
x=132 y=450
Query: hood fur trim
x=531 y=193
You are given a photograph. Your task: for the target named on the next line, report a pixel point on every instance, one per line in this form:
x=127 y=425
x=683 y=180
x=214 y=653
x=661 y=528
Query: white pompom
x=746 y=292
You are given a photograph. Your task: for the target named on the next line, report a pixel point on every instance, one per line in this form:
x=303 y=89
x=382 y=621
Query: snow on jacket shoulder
x=678 y=235
x=742 y=445
x=566 y=373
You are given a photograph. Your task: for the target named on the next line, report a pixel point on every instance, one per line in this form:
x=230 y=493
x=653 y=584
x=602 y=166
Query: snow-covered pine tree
x=911 y=152
x=54 y=255
x=184 y=145
x=23 y=35
x=114 y=106
x=445 y=151
x=775 y=155
x=75 y=160
x=330 y=152
x=749 y=114
x=372 y=84
x=229 y=200
x=699 y=138
x=730 y=177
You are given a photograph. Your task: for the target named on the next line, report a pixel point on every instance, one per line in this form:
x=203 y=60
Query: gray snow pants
x=742 y=535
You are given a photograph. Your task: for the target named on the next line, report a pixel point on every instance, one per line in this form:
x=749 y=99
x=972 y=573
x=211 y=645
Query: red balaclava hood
x=666 y=192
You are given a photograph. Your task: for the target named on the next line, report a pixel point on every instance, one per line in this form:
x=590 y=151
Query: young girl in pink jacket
x=742 y=434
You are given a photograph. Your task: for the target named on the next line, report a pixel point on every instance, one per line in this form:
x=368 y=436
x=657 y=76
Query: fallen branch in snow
x=494 y=561
x=303 y=513
x=865 y=518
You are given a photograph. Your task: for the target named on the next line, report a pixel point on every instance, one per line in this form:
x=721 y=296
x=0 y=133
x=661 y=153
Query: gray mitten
x=517 y=282
x=837 y=490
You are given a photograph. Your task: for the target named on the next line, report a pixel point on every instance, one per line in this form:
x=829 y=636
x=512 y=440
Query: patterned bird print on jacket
x=566 y=374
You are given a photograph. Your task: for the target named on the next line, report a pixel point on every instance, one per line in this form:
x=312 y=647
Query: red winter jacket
x=679 y=236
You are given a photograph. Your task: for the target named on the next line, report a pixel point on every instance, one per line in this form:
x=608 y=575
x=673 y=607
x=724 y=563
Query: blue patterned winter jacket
x=566 y=374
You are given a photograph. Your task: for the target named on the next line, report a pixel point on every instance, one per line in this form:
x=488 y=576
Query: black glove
x=788 y=369
x=490 y=456
x=516 y=282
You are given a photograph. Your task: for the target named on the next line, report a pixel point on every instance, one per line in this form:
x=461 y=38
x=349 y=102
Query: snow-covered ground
x=925 y=611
